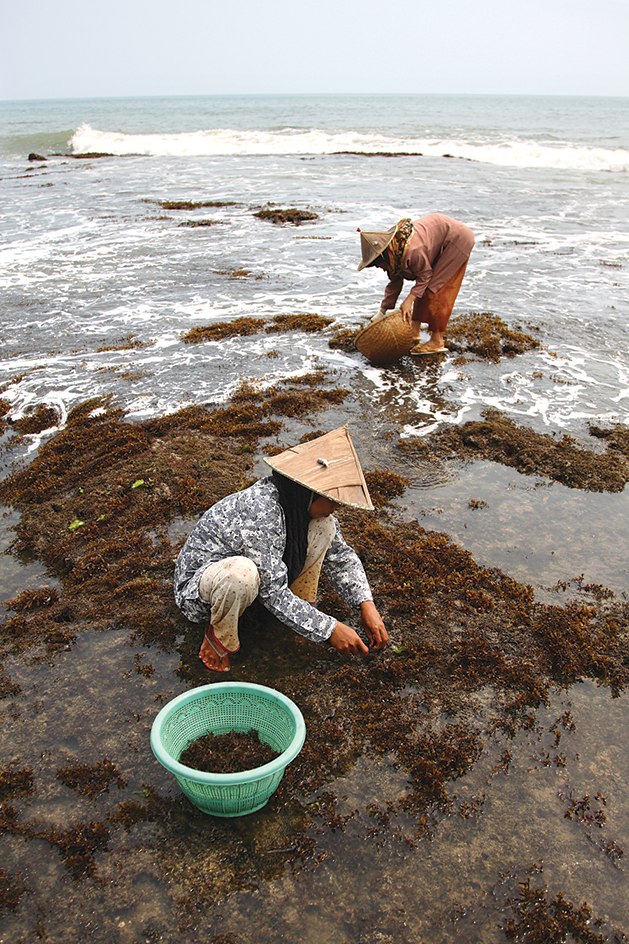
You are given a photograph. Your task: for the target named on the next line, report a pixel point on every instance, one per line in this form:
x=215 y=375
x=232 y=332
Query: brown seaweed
x=15 y=783
x=239 y=327
x=309 y=323
x=41 y=418
x=497 y=437
x=201 y=223
x=192 y=204
x=77 y=844
x=486 y=335
x=91 y=780
x=228 y=753
x=343 y=339
x=95 y=506
x=380 y=153
x=245 y=326
x=540 y=921
x=291 y=215
x=11 y=890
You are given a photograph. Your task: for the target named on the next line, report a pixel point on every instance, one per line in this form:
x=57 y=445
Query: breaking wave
x=511 y=152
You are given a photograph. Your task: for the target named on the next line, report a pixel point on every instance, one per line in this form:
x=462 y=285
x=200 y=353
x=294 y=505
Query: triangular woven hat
x=372 y=244
x=329 y=466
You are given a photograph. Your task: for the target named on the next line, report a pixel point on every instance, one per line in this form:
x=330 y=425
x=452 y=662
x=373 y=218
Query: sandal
x=217 y=647
x=418 y=351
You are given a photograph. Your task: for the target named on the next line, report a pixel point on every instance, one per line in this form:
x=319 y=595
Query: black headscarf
x=295 y=500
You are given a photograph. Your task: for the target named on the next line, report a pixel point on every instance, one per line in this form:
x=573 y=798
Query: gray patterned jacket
x=251 y=524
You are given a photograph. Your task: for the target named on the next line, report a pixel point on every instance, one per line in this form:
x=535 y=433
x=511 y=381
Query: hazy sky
x=82 y=48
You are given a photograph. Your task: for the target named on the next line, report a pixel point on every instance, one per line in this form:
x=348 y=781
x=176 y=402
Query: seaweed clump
x=40 y=419
x=91 y=780
x=616 y=438
x=90 y=155
x=14 y=783
x=344 y=339
x=192 y=204
x=239 y=273
x=291 y=215
x=78 y=844
x=539 y=921
x=384 y=485
x=238 y=328
x=381 y=153
x=194 y=224
x=5 y=408
x=300 y=402
x=497 y=437
x=11 y=890
x=228 y=753
x=243 y=327
x=308 y=323
x=487 y=335
x=128 y=343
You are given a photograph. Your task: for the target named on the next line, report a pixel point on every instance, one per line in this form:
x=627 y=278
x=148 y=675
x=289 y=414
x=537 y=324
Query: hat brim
x=327 y=465
x=378 y=252
x=364 y=502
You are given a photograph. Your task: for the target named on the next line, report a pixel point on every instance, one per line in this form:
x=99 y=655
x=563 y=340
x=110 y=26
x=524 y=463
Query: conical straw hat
x=372 y=244
x=329 y=466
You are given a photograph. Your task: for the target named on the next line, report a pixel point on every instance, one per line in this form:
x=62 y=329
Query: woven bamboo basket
x=385 y=339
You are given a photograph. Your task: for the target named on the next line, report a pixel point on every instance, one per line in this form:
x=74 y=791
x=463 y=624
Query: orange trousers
x=435 y=308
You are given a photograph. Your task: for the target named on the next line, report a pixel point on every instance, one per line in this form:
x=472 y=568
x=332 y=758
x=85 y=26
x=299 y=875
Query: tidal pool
x=514 y=817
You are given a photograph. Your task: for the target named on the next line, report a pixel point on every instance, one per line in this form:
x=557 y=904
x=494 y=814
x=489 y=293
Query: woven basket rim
x=380 y=328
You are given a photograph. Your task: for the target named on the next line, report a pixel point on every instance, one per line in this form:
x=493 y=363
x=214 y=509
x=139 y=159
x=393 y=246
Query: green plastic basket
x=220 y=708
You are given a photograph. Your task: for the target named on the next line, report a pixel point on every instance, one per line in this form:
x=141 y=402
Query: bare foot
x=212 y=659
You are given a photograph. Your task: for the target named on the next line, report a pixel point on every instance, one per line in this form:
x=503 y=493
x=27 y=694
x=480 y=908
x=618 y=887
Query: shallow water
x=361 y=880
x=539 y=532
x=17 y=575
x=86 y=262
x=453 y=888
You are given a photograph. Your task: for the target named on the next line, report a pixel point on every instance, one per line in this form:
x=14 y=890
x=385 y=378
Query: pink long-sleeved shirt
x=439 y=246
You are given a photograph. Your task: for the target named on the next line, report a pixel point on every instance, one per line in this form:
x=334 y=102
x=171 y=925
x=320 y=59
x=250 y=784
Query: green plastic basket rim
x=243 y=776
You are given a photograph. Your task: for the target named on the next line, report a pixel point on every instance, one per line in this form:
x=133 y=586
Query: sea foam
x=508 y=152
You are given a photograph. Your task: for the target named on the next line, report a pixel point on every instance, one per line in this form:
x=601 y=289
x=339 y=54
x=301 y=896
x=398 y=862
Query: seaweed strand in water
x=91 y=780
x=245 y=326
x=539 y=921
x=291 y=215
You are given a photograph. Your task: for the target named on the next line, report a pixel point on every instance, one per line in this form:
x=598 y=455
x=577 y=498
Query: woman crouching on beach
x=270 y=542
